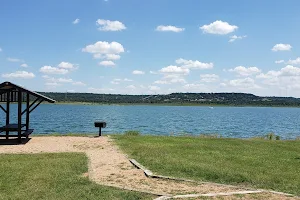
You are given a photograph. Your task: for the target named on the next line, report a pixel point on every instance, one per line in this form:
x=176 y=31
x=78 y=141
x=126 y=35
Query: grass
x=53 y=176
x=257 y=163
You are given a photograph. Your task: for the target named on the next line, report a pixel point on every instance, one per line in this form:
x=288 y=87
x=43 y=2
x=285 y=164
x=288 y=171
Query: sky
x=152 y=47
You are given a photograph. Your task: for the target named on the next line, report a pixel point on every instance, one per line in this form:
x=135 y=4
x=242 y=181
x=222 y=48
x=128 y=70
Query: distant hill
x=230 y=99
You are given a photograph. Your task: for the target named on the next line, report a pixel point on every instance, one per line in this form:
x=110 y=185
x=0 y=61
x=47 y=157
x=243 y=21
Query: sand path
x=109 y=166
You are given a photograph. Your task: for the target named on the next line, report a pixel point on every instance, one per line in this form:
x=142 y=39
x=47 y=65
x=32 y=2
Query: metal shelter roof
x=5 y=86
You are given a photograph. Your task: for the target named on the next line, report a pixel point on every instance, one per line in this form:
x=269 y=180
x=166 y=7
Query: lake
x=237 y=122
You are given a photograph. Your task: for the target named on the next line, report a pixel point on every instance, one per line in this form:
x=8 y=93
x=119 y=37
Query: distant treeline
x=230 y=99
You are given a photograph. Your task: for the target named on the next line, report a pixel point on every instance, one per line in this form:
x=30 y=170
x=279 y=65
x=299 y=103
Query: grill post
x=100 y=125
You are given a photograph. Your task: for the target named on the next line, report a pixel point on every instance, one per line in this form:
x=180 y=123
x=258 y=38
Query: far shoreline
x=173 y=104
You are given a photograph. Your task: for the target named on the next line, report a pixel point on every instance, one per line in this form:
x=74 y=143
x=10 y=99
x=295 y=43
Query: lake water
x=238 y=122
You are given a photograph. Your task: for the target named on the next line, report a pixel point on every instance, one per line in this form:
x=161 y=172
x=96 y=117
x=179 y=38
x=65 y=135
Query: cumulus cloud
x=112 y=57
x=66 y=65
x=235 y=37
x=107 y=63
x=52 y=84
x=15 y=60
x=209 y=78
x=107 y=25
x=19 y=74
x=244 y=71
x=169 y=29
x=218 y=27
x=288 y=70
x=190 y=64
x=279 y=61
x=103 y=47
x=154 y=88
x=132 y=87
x=78 y=83
x=53 y=70
x=76 y=21
x=282 y=47
x=138 y=72
x=246 y=83
x=105 y=50
x=24 y=65
x=175 y=70
x=100 y=90
x=294 y=62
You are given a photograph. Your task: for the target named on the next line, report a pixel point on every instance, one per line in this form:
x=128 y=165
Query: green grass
x=53 y=176
x=257 y=163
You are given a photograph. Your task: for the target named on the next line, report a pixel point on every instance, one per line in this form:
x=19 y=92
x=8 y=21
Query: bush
x=132 y=133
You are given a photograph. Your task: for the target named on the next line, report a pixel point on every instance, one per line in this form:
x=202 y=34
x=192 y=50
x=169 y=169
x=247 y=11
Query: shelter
x=12 y=93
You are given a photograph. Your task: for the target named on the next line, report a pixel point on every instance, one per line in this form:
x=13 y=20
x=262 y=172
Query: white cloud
x=53 y=70
x=115 y=82
x=235 y=37
x=107 y=63
x=76 y=21
x=190 y=64
x=64 y=80
x=154 y=88
x=15 y=60
x=209 y=78
x=294 y=62
x=244 y=71
x=268 y=75
x=170 y=81
x=19 y=74
x=290 y=70
x=138 y=72
x=100 y=90
x=132 y=87
x=153 y=72
x=78 y=83
x=128 y=80
x=107 y=25
x=192 y=86
x=107 y=56
x=169 y=28
x=218 y=27
x=279 y=61
x=101 y=47
x=53 y=84
x=112 y=57
x=246 y=83
x=175 y=70
x=66 y=65
x=24 y=65
x=282 y=47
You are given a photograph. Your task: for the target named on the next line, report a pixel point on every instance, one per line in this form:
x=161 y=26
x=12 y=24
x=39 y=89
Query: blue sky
x=152 y=47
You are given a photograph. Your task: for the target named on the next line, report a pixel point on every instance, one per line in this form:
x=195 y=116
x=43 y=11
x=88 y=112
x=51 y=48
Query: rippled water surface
x=241 y=122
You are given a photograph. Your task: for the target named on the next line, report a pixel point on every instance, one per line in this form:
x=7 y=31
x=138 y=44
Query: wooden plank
x=139 y=166
x=2 y=108
x=30 y=105
x=36 y=106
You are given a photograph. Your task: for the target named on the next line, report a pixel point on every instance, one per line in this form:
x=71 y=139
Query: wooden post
x=27 y=111
x=7 y=111
x=19 y=115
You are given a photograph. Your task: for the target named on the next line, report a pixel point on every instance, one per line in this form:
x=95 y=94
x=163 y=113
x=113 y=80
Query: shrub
x=132 y=133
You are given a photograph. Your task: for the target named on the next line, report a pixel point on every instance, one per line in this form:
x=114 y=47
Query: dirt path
x=109 y=166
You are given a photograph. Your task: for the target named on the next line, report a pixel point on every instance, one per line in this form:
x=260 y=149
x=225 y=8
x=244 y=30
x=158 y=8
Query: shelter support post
x=7 y=111
x=27 y=111
x=19 y=116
